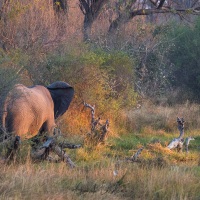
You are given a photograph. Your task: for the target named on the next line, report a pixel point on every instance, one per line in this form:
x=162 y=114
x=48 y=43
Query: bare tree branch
x=161 y=4
x=142 y=8
x=135 y=156
x=187 y=142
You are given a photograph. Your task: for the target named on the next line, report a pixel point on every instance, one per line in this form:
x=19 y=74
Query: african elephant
x=32 y=110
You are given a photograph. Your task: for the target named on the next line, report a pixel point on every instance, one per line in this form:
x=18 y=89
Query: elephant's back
x=40 y=99
x=33 y=99
x=28 y=109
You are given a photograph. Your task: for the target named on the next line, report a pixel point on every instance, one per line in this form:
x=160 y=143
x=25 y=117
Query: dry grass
x=164 y=117
x=56 y=181
x=160 y=174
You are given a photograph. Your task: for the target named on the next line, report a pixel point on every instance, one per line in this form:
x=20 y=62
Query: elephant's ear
x=62 y=94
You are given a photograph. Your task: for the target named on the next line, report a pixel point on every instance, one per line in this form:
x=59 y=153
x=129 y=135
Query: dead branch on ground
x=41 y=152
x=187 y=142
x=135 y=156
x=98 y=131
x=41 y=147
x=177 y=143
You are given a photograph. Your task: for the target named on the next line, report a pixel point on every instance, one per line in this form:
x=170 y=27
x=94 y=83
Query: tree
x=128 y=9
x=91 y=10
x=3 y=6
x=29 y=24
x=184 y=58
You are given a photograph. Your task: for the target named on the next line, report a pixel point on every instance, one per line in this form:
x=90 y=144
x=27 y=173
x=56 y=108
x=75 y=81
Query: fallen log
x=176 y=143
x=62 y=154
x=42 y=152
x=179 y=142
x=69 y=145
x=38 y=154
x=39 y=151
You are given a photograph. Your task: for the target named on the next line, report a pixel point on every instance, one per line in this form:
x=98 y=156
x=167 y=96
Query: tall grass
x=102 y=172
x=164 y=117
x=56 y=181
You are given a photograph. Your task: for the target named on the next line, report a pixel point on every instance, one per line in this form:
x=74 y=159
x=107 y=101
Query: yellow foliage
x=146 y=154
x=148 y=130
x=158 y=148
x=89 y=154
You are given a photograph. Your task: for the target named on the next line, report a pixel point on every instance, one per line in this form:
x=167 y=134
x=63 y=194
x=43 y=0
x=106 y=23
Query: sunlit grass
x=56 y=181
x=103 y=172
x=160 y=174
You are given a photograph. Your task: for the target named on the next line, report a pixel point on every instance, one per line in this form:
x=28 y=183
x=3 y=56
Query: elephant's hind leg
x=12 y=148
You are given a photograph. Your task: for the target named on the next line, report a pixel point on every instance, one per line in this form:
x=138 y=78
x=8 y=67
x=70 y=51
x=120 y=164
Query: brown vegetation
x=128 y=74
x=45 y=181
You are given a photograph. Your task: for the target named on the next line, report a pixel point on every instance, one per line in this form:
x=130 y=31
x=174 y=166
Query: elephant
x=29 y=111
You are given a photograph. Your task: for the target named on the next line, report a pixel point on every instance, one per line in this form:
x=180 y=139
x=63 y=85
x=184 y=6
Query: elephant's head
x=62 y=94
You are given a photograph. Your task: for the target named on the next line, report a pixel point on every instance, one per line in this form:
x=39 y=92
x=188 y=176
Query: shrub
x=184 y=53
x=11 y=72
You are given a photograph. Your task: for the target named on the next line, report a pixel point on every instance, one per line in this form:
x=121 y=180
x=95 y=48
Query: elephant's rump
x=27 y=110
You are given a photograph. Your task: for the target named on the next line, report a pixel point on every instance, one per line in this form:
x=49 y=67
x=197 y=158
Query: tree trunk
x=87 y=26
x=91 y=9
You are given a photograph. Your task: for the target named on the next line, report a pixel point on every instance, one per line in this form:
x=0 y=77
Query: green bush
x=184 y=57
